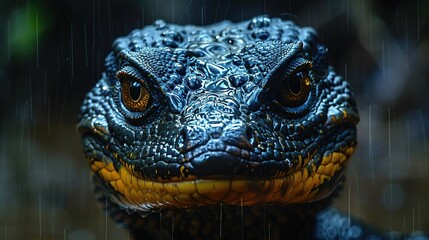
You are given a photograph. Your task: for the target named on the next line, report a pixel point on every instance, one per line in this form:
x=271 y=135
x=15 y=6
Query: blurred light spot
x=355 y=232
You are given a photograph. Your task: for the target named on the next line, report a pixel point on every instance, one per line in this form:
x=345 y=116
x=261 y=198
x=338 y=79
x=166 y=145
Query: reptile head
x=242 y=114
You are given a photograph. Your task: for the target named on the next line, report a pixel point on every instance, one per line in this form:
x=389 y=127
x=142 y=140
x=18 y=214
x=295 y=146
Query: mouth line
x=214 y=165
x=194 y=167
x=200 y=192
x=131 y=191
x=298 y=184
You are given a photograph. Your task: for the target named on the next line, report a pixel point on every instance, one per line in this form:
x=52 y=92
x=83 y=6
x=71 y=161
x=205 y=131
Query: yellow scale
x=299 y=187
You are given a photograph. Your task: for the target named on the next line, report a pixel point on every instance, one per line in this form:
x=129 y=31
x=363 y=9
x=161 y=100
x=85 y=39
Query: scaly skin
x=223 y=131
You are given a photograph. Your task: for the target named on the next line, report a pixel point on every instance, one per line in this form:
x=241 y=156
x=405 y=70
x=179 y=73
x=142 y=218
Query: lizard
x=227 y=131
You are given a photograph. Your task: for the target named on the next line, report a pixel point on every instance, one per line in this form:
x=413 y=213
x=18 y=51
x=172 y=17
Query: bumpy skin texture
x=220 y=132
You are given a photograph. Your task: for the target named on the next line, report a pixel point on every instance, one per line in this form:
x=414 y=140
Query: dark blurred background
x=52 y=52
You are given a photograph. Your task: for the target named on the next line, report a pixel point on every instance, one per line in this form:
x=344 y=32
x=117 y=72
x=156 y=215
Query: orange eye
x=296 y=90
x=135 y=95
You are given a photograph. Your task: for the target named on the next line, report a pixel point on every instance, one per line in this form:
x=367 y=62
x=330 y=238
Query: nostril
x=251 y=136
x=191 y=137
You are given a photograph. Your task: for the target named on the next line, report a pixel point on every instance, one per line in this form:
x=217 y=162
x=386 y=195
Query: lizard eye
x=135 y=94
x=296 y=90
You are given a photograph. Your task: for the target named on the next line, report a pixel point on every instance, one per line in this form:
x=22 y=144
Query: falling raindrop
x=86 y=45
x=370 y=145
x=105 y=216
x=221 y=219
x=71 y=54
x=160 y=225
x=172 y=228
x=349 y=205
x=37 y=39
x=389 y=136
x=5 y=229
x=40 y=216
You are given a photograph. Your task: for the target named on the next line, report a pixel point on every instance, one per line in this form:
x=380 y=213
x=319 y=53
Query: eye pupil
x=135 y=91
x=295 y=84
x=135 y=95
x=296 y=90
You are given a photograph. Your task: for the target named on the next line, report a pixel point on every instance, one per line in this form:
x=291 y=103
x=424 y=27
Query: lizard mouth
x=308 y=184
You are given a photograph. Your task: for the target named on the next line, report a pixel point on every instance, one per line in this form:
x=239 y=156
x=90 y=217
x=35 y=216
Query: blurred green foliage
x=24 y=25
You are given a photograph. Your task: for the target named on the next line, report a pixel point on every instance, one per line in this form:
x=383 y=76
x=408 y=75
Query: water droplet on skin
x=193 y=82
x=237 y=80
x=213 y=69
x=221 y=84
x=260 y=34
x=179 y=68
